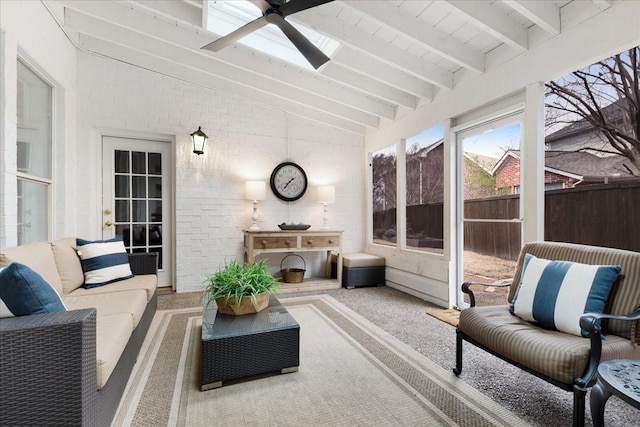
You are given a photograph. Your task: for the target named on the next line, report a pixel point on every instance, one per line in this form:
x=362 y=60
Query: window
x=425 y=190
x=592 y=147
x=34 y=155
x=227 y=16
x=384 y=196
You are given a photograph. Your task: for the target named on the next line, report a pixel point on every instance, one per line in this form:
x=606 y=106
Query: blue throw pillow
x=556 y=294
x=24 y=292
x=103 y=261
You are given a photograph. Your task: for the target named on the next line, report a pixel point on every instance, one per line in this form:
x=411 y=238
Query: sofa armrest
x=144 y=263
x=592 y=323
x=472 y=299
x=48 y=368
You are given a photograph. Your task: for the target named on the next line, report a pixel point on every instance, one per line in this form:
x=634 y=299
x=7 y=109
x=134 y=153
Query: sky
x=491 y=143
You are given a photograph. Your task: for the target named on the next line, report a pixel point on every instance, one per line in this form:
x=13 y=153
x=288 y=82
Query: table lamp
x=326 y=195
x=255 y=190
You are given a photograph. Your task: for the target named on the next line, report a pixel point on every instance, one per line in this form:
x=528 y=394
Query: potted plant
x=241 y=289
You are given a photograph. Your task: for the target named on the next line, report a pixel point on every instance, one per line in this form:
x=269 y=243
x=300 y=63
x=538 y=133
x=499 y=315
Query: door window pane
x=425 y=190
x=139 y=210
x=122 y=161
x=384 y=196
x=138 y=162
x=139 y=187
x=121 y=185
x=155 y=164
x=122 y=211
x=155 y=188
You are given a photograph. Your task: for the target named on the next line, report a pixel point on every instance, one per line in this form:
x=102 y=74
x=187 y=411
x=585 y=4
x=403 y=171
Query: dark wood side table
x=618 y=377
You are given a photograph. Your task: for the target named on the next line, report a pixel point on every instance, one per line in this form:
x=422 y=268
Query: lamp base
x=254 y=227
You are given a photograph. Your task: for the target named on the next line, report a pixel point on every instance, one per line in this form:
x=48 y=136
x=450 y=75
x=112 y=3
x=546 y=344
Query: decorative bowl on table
x=285 y=226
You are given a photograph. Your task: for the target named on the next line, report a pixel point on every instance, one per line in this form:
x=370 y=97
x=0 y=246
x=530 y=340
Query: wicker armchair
x=566 y=361
x=48 y=365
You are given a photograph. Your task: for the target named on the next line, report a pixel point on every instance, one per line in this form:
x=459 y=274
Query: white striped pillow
x=103 y=261
x=556 y=294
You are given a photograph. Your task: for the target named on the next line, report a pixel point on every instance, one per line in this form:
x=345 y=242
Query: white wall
x=29 y=31
x=246 y=141
x=585 y=38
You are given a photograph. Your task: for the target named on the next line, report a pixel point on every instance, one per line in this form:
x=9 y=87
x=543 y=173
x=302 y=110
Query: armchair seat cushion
x=557 y=355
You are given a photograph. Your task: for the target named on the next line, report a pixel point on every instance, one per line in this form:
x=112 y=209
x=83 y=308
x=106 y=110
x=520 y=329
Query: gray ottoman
x=361 y=269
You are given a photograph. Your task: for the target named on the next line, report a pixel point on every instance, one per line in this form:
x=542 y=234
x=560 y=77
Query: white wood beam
x=484 y=16
x=386 y=74
x=356 y=38
x=362 y=82
x=246 y=58
x=545 y=15
x=213 y=82
x=179 y=10
x=436 y=41
x=196 y=60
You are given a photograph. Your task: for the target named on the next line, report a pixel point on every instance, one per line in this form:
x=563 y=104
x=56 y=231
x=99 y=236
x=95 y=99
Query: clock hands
x=287 y=184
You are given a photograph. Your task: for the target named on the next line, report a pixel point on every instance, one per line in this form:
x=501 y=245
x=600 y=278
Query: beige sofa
x=71 y=368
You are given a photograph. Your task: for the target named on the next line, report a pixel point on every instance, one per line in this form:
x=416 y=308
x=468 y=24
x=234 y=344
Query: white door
x=489 y=222
x=136 y=198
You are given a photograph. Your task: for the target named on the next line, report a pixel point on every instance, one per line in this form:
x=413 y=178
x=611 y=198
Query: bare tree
x=585 y=94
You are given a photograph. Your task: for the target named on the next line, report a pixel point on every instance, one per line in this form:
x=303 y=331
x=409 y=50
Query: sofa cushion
x=146 y=282
x=68 y=264
x=555 y=354
x=112 y=335
x=24 y=292
x=556 y=294
x=103 y=261
x=132 y=302
x=39 y=257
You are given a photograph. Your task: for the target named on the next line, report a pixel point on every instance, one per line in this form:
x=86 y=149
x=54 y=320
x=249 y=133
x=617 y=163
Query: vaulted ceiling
x=394 y=55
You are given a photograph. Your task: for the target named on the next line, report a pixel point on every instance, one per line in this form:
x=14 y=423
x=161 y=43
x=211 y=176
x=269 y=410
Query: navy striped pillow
x=556 y=294
x=103 y=261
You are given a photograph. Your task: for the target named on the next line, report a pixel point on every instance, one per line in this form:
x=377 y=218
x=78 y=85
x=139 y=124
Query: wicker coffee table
x=236 y=347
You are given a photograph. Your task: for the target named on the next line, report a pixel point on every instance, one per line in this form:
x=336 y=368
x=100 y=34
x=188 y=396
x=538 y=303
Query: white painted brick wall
x=246 y=141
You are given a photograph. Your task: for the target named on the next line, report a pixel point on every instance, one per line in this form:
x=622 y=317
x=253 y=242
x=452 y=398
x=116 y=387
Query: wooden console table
x=283 y=241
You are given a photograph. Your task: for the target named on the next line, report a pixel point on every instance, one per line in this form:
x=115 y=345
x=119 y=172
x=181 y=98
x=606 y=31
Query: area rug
x=351 y=373
x=450 y=315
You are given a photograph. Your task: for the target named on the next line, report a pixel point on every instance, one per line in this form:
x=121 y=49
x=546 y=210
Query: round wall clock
x=288 y=181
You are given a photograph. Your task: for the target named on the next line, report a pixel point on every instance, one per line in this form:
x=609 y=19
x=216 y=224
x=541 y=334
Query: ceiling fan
x=275 y=12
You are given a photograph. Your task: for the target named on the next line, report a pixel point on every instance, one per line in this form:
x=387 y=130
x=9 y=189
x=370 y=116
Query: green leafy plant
x=235 y=281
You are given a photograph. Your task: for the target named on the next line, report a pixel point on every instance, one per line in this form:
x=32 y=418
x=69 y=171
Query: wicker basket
x=293 y=275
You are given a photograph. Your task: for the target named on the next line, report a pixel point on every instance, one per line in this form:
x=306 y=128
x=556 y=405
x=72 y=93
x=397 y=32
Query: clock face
x=288 y=181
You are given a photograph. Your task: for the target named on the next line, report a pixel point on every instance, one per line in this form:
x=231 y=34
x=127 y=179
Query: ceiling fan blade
x=236 y=35
x=314 y=55
x=263 y=5
x=294 y=6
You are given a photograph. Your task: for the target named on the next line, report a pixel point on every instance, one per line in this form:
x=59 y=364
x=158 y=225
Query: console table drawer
x=260 y=242
x=320 y=241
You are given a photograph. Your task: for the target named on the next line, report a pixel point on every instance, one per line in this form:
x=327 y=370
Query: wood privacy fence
x=600 y=215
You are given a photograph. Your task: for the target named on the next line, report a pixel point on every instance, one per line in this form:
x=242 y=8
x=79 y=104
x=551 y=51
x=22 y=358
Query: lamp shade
x=326 y=194
x=255 y=190
x=199 y=138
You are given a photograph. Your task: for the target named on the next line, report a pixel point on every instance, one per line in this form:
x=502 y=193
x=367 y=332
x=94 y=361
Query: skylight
x=227 y=16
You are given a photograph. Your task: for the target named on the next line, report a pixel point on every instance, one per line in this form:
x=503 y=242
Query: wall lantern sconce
x=199 y=138
x=326 y=195
x=255 y=190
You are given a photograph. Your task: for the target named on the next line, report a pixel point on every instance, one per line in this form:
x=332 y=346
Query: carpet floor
x=403 y=316
x=351 y=373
